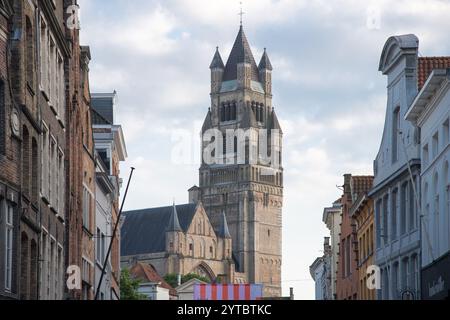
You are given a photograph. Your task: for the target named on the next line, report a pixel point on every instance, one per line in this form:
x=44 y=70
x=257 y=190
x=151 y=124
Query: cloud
x=328 y=93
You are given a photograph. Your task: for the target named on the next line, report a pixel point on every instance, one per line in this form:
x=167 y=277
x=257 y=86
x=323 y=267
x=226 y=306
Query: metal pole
x=113 y=236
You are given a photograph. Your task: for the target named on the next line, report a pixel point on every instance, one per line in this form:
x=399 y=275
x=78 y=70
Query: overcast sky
x=328 y=92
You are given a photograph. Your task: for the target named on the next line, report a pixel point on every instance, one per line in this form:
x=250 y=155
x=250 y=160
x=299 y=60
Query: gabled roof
x=241 y=53
x=144 y=231
x=426 y=67
x=217 y=62
x=148 y=274
x=265 y=62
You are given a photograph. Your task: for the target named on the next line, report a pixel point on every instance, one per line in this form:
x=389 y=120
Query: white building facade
x=333 y=219
x=396 y=188
x=104 y=193
x=431 y=113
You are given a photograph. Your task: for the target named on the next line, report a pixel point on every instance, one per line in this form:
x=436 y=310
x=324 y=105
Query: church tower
x=241 y=181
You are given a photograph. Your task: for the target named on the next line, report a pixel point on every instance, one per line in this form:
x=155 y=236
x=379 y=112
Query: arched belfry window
x=29 y=52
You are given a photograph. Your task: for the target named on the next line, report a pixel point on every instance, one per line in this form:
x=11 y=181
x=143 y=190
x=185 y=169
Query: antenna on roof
x=241 y=13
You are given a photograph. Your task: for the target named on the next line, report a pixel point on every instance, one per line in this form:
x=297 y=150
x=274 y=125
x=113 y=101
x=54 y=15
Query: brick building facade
x=347 y=280
x=46 y=151
x=10 y=161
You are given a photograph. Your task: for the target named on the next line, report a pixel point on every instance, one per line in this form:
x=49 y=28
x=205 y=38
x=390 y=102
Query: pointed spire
x=208 y=122
x=174 y=223
x=224 y=232
x=274 y=122
x=241 y=53
x=217 y=61
x=265 y=62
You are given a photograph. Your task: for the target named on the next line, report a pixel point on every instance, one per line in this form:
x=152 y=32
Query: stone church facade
x=232 y=228
x=178 y=240
x=249 y=191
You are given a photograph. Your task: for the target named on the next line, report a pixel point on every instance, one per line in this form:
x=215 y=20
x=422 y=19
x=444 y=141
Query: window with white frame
x=87 y=199
x=52 y=70
x=60 y=183
x=52 y=173
x=45 y=172
x=44 y=55
x=9 y=236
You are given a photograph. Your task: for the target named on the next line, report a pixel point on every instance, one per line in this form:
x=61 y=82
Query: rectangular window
x=52 y=173
x=378 y=222
x=395 y=134
x=44 y=55
x=412 y=205
x=2 y=118
x=45 y=172
x=446 y=133
x=403 y=208
x=385 y=233
x=435 y=145
x=86 y=208
x=425 y=155
x=9 y=224
x=61 y=184
x=394 y=204
x=103 y=252
x=343 y=258
x=98 y=255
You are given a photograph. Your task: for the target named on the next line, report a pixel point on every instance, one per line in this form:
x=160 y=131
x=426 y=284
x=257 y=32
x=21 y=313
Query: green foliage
x=172 y=279
x=129 y=287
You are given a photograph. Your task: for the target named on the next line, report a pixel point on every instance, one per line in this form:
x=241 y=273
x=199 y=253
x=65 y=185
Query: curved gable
x=394 y=48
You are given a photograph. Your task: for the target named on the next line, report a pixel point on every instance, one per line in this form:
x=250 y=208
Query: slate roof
x=426 y=67
x=217 y=61
x=147 y=273
x=144 y=231
x=265 y=62
x=240 y=53
x=104 y=106
x=207 y=124
x=274 y=123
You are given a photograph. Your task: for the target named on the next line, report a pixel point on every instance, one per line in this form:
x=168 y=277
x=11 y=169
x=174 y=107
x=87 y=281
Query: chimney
x=292 y=293
x=179 y=280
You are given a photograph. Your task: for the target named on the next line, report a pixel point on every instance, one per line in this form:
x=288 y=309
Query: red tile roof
x=361 y=184
x=148 y=273
x=427 y=65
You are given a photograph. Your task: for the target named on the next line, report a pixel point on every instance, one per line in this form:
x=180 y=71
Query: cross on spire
x=241 y=13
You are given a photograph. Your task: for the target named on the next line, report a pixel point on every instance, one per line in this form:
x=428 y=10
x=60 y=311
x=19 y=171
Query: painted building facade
x=431 y=113
x=397 y=176
x=332 y=217
x=110 y=151
x=347 y=279
x=362 y=212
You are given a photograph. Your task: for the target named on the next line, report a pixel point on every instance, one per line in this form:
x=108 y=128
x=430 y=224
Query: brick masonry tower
x=249 y=191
